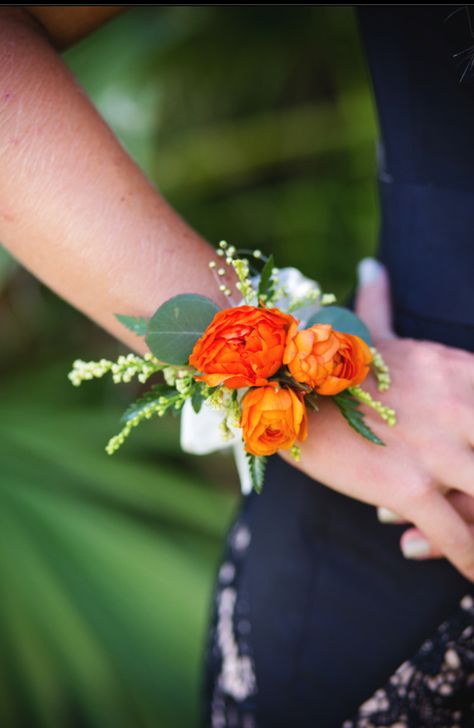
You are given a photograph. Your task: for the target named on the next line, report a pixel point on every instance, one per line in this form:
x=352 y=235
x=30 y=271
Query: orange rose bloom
x=272 y=419
x=327 y=360
x=241 y=347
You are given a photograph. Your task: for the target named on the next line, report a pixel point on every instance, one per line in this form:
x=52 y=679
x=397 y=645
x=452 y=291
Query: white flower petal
x=295 y=282
x=297 y=286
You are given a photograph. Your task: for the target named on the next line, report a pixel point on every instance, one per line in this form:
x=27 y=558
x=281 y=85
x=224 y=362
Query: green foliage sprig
x=123 y=370
x=257 y=466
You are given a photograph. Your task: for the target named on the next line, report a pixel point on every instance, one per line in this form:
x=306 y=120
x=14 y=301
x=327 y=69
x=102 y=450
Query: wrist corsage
x=244 y=377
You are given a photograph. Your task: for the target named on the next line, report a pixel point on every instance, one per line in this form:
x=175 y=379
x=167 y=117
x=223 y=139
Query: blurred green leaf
x=7 y=266
x=107 y=564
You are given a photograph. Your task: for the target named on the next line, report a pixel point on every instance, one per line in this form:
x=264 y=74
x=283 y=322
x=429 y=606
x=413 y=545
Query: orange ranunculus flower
x=272 y=419
x=241 y=347
x=327 y=360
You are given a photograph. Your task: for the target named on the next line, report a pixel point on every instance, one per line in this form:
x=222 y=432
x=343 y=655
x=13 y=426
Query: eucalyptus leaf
x=349 y=408
x=341 y=319
x=177 y=325
x=306 y=312
x=137 y=324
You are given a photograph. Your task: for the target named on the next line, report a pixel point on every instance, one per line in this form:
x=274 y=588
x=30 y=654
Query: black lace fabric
x=230 y=683
x=435 y=688
x=432 y=689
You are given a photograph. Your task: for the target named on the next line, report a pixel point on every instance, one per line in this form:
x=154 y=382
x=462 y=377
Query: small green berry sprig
x=381 y=370
x=122 y=370
x=386 y=413
x=155 y=408
x=241 y=262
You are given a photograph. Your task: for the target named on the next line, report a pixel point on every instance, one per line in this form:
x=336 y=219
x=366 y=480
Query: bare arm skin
x=75 y=210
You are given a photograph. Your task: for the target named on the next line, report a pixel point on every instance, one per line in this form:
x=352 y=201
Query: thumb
x=372 y=300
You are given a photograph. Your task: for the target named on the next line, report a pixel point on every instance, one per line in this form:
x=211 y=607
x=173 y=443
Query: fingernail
x=386 y=516
x=368 y=270
x=413 y=548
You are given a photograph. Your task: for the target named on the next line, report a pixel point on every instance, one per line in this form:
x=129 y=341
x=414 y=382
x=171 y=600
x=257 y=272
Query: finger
x=385 y=515
x=464 y=504
x=444 y=531
x=414 y=544
x=456 y=469
x=372 y=300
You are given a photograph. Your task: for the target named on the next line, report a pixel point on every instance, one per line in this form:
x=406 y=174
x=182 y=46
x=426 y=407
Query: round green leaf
x=177 y=325
x=342 y=319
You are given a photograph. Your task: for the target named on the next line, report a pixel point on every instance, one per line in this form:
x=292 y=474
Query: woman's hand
x=425 y=474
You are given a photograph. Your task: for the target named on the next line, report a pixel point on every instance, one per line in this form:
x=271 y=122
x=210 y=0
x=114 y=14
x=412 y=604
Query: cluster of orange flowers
x=246 y=345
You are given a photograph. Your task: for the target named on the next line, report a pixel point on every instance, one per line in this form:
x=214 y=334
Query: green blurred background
x=257 y=124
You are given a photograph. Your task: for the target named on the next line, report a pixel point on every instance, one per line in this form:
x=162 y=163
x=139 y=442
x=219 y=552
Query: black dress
x=316 y=611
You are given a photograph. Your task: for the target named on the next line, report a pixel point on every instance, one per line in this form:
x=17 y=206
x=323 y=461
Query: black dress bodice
x=419 y=62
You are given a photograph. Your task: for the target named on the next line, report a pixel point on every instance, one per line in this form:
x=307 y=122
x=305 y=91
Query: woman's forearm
x=75 y=210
